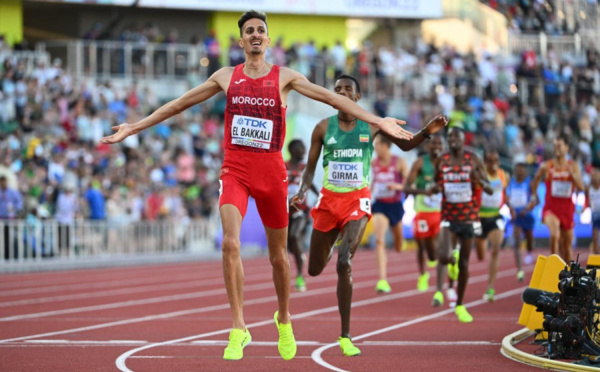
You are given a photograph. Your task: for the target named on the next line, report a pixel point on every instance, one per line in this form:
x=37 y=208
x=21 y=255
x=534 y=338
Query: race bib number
x=345 y=174
x=220 y=188
x=459 y=192
x=491 y=201
x=381 y=191
x=251 y=132
x=365 y=205
x=477 y=230
x=518 y=198
x=562 y=189
x=433 y=201
x=422 y=226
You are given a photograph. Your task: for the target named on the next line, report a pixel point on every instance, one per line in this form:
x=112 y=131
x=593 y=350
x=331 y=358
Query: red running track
x=176 y=317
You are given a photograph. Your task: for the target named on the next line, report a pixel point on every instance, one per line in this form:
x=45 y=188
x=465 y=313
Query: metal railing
x=118 y=59
x=564 y=45
x=23 y=240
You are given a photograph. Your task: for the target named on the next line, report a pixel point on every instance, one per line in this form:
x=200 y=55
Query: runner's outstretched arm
x=300 y=84
x=192 y=97
x=434 y=125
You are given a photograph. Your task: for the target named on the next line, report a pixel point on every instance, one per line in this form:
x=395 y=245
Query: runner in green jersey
x=344 y=205
x=428 y=207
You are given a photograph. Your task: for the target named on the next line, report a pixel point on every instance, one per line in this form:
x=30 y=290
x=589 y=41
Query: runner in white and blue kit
x=520 y=203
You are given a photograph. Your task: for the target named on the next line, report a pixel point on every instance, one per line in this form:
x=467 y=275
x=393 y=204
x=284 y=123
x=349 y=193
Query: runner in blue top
x=520 y=203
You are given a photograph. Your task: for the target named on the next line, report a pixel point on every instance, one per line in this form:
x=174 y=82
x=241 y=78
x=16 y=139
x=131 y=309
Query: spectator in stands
x=95 y=200
x=11 y=207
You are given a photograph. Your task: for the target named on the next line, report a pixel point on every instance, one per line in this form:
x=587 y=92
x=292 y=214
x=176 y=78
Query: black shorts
x=465 y=230
x=489 y=224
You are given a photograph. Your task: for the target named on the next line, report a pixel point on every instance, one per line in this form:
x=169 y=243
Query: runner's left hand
x=435 y=124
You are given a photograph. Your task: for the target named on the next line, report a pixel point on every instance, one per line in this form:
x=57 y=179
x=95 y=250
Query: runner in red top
x=458 y=175
x=389 y=172
x=298 y=220
x=562 y=177
x=257 y=94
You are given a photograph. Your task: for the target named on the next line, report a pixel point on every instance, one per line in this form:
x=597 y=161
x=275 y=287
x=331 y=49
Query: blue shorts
x=526 y=222
x=393 y=211
x=595 y=221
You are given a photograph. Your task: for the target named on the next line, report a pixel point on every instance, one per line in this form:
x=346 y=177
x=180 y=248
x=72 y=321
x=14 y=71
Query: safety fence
x=24 y=240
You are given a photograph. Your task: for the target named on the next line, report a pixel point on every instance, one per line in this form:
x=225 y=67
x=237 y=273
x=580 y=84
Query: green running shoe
x=520 y=275
x=489 y=295
x=238 y=340
x=453 y=268
x=438 y=299
x=347 y=347
x=300 y=284
x=287 y=343
x=463 y=315
x=423 y=282
x=383 y=286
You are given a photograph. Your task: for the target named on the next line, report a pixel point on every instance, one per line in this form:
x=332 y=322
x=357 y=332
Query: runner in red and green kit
x=344 y=206
x=426 y=224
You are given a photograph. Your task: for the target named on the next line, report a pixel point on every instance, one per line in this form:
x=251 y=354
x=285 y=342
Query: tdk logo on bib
x=250 y=122
x=252 y=132
x=345 y=167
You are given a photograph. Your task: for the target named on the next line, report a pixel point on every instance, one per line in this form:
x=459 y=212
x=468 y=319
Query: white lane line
x=29 y=343
x=309 y=293
x=141 y=289
x=316 y=355
x=144 y=275
x=121 y=304
x=88 y=286
x=84 y=342
x=153 y=300
x=121 y=360
x=218 y=275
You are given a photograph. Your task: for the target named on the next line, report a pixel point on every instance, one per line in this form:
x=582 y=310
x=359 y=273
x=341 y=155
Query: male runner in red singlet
x=459 y=175
x=298 y=220
x=257 y=94
x=562 y=177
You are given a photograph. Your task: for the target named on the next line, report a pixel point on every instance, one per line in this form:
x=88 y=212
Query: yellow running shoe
x=463 y=315
x=438 y=299
x=432 y=264
x=423 y=282
x=453 y=268
x=520 y=275
x=238 y=340
x=287 y=342
x=347 y=347
x=383 y=286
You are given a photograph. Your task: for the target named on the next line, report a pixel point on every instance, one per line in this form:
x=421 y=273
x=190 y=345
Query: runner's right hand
x=123 y=131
